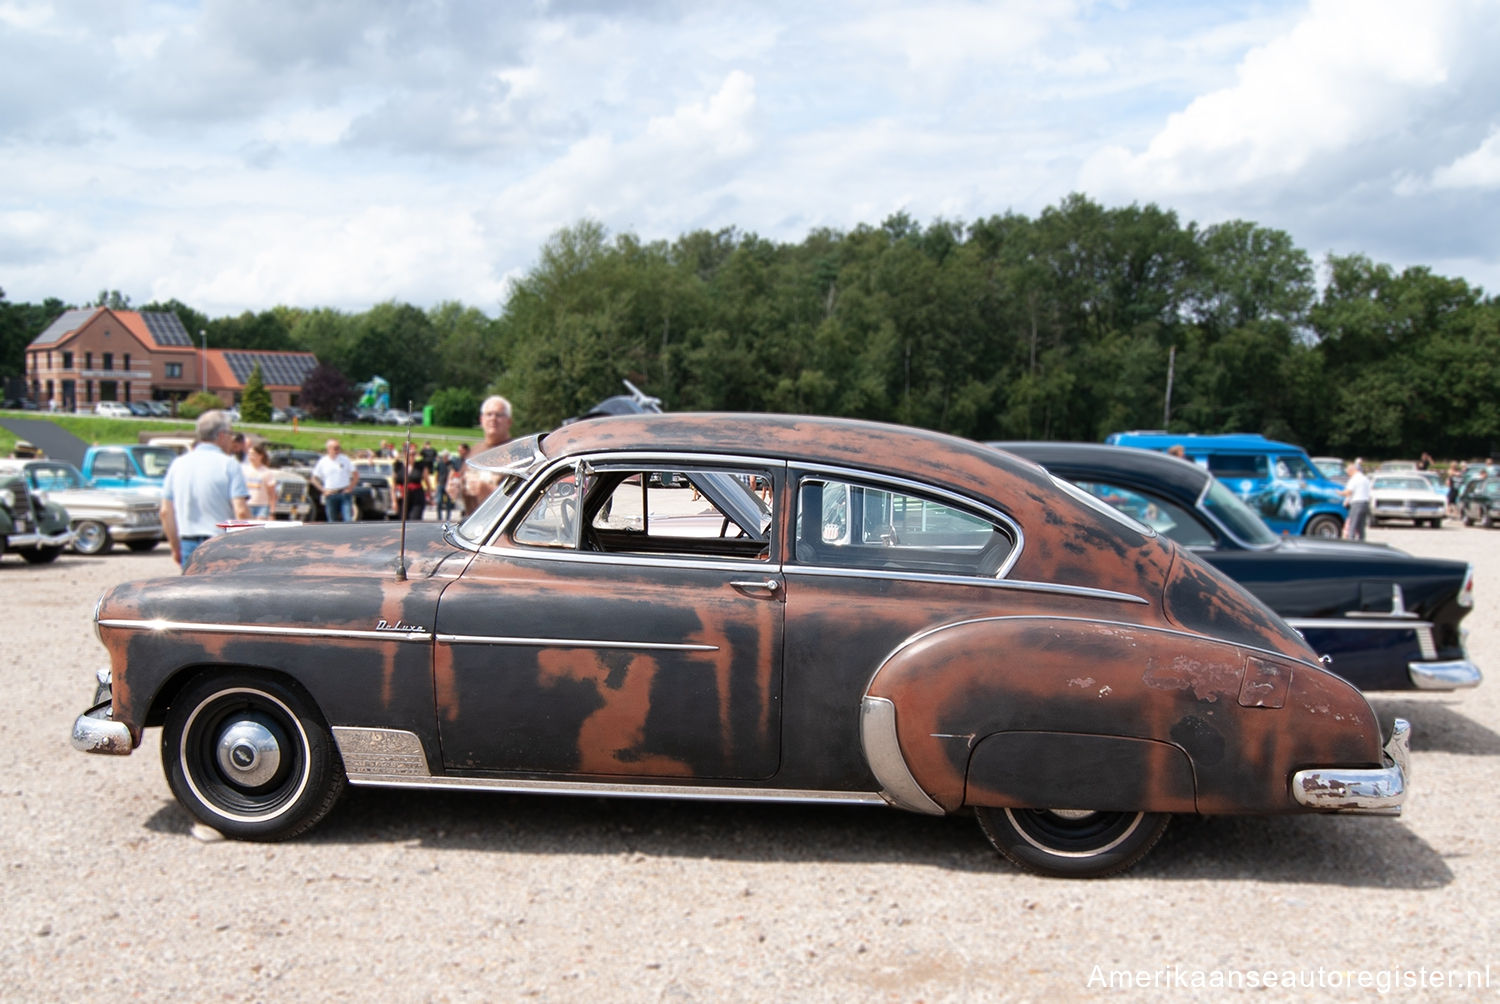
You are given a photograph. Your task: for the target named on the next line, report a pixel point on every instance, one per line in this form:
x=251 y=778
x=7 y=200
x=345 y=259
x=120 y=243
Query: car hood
x=327 y=550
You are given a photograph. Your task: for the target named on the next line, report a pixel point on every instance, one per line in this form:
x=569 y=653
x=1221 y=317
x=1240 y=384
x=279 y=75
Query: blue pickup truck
x=128 y=466
x=1277 y=480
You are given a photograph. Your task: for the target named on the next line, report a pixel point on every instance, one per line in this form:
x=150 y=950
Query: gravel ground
x=469 y=896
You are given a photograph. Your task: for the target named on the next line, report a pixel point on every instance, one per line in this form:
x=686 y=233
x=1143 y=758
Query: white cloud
x=1480 y=168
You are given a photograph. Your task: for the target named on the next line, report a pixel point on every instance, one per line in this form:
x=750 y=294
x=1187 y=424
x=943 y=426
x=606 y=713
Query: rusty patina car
x=742 y=607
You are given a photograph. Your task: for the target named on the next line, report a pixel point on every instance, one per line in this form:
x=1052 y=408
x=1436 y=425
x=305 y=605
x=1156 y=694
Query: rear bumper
x=1379 y=791
x=17 y=541
x=1454 y=674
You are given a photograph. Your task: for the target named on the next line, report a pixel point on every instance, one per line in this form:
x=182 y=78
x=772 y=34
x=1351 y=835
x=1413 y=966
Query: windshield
x=507 y=467
x=1404 y=484
x=54 y=477
x=1236 y=517
x=154 y=460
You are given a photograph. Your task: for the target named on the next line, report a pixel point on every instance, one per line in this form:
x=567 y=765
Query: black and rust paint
x=1130 y=673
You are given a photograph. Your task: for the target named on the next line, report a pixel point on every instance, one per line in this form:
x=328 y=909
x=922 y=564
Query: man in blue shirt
x=203 y=488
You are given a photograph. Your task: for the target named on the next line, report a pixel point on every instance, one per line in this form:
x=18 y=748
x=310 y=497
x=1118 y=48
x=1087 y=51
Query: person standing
x=472 y=485
x=1357 y=491
x=335 y=476
x=261 y=480
x=203 y=488
x=410 y=473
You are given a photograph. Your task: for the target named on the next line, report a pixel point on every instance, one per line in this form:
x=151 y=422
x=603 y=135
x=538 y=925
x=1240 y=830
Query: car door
x=627 y=621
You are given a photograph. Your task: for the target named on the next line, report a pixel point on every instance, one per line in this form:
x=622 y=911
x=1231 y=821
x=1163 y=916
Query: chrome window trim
x=1025 y=585
x=797 y=469
x=524 y=498
x=717 y=563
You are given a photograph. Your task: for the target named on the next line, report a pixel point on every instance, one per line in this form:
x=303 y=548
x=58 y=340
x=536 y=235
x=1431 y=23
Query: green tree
x=457 y=407
x=255 y=402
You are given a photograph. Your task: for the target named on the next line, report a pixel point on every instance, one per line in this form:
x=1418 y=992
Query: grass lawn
x=310 y=435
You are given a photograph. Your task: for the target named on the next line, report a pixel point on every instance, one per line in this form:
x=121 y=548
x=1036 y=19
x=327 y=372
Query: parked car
x=379 y=475
x=30 y=525
x=298 y=464
x=1407 y=495
x=159 y=409
x=911 y=619
x=1277 y=480
x=1388 y=620
x=98 y=517
x=1397 y=467
x=398 y=416
x=113 y=409
x=1335 y=469
x=1479 y=502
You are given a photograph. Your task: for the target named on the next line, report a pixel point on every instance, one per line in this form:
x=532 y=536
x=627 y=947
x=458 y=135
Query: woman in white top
x=261 y=480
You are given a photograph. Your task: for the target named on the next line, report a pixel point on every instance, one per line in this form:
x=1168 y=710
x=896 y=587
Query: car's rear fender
x=1000 y=710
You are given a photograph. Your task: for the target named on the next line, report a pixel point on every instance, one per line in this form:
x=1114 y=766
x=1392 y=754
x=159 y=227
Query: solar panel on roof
x=277 y=369
x=67 y=323
x=166 y=328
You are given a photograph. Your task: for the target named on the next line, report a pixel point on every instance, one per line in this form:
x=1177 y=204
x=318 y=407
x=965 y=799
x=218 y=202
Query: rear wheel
x=1072 y=843
x=142 y=545
x=1324 y=525
x=40 y=555
x=249 y=755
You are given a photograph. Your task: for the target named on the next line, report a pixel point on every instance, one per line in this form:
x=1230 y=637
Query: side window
x=109 y=465
x=707 y=513
x=844 y=524
x=1239 y=465
x=1166 y=518
x=552 y=520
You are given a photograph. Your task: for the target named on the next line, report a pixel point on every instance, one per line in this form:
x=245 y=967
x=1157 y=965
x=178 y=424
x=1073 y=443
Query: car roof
x=1119 y=463
x=1229 y=442
x=891 y=449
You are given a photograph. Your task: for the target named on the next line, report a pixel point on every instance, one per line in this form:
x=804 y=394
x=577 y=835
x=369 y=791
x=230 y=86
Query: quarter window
x=1167 y=518
x=844 y=524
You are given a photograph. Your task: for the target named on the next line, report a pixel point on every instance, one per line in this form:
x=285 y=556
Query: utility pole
x=1166 y=410
x=203 y=358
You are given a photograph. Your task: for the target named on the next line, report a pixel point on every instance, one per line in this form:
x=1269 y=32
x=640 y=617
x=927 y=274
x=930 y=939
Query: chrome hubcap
x=248 y=753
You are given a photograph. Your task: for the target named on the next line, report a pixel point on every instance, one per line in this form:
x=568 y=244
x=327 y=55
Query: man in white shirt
x=203 y=488
x=1357 y=491
x=335 y=476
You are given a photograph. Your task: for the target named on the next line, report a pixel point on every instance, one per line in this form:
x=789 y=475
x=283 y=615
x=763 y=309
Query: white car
x=1407 y=496
x=113 y=409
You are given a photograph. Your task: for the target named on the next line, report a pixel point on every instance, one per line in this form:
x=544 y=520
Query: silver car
x=98 y=517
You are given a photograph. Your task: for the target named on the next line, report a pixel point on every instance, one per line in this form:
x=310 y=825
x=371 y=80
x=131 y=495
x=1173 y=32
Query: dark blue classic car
x=1388 y=620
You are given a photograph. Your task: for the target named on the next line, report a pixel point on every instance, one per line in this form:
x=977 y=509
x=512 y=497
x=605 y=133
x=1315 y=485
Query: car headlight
x=7 y=498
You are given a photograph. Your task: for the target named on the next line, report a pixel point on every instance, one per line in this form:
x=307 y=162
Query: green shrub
x=455 y=407
x=197 y=403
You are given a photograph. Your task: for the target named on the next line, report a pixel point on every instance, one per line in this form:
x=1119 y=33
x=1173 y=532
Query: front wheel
x=1325 y=526
x=40 y=555
x=248 y=755
x=90 y=537
x=142 y=546
x=1072 y=843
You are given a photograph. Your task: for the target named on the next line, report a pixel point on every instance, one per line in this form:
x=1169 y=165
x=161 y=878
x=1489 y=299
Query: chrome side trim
x=1356 y=624
x=968 y=580
x=877 y=735
x=1455 y=674
x=394 y=758
x=476 y=639
x=265 y=630
x=1376 y=791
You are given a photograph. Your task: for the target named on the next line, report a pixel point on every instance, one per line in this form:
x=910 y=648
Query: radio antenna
x=405 y=478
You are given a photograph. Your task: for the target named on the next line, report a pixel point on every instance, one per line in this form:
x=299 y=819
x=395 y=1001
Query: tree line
x=1079 y=322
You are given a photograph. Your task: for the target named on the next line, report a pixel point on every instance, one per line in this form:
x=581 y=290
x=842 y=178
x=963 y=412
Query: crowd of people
x=225 y=478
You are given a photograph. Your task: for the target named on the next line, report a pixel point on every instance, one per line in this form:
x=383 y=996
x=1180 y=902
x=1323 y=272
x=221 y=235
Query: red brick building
x=97 y=354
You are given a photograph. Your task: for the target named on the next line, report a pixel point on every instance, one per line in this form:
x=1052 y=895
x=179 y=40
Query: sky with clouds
x=340 y=153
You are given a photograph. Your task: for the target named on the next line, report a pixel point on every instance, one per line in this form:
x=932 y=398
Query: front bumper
x=1454 y=674
x=124 y=532
x=18 y=541
x=94 y=731
x=1378 y=791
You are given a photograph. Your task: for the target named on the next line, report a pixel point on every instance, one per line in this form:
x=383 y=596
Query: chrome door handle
x=769 y=585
